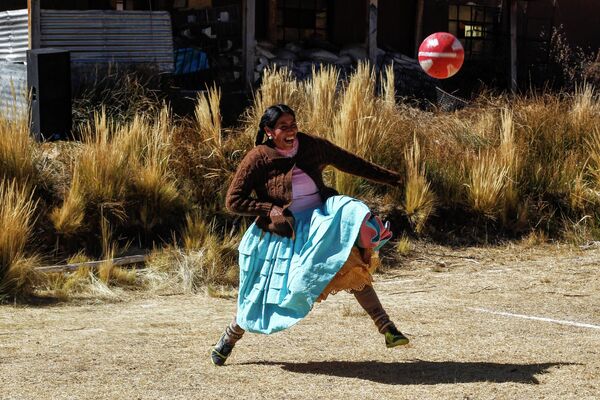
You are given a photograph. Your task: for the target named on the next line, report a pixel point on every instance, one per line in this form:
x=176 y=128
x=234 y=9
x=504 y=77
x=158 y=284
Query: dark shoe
x=222 y=350
x=393 y=337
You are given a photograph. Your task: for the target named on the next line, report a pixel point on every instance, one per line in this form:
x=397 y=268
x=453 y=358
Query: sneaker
x=222 y=350
x=393 y=337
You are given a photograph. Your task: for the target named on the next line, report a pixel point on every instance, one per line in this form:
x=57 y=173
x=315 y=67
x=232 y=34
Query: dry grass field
x=141 y=179
x=468 y=313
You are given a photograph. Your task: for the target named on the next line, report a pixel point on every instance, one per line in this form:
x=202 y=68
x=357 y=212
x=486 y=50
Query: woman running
x=307 y=241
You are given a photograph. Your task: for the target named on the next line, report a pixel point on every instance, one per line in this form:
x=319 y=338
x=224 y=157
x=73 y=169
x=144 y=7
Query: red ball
x=441 y=55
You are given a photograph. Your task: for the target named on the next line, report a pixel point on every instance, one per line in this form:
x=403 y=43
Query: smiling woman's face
x=284 y=132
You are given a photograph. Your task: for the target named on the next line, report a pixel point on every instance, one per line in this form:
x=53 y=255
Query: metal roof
x=108 y=36
x=14 y=38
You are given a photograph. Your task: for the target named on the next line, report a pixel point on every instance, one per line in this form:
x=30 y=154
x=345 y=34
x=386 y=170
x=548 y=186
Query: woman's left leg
x=228 y=339
x=369 y=301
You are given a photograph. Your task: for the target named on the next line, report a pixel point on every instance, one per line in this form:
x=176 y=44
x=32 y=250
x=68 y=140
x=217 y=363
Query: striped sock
x=233 y=332
x=369 y=301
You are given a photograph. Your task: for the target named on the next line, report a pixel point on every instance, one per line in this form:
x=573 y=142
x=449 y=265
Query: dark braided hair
x=269 y=119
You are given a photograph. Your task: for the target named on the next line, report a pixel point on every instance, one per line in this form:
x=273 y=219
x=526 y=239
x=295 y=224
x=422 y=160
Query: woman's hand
x=276 y=211
x=282 y=221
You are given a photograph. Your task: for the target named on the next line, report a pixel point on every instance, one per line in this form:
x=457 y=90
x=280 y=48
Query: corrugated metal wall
x=93 y=37
x=13 y=90
x=136 y=37
x=14 y=39
x=97 y=37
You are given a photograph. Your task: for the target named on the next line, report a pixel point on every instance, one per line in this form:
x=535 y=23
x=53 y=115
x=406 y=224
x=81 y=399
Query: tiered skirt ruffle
x=281 y=278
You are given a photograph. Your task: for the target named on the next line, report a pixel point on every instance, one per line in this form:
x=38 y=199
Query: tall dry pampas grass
x=592 y=188
x=278 y=86
x=388 y=88
x=360 y=125
x=509 y=158
x=207 y=159
x=487 y=180
x=321 y=100
x=100 y=177
x=208 y=116
x=18 y=152
x=208 y=125
x=195 y=232
x=419 y=200
x=103 y=167
x=153 y=184
x=124 y=172
x=545 y=128
x=69 y=217
x=585 y=108
x=593 y=145
x=508 y=146
x=16 y=219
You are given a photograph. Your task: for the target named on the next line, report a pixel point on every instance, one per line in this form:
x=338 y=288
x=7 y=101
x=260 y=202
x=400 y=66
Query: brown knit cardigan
x=269 y=175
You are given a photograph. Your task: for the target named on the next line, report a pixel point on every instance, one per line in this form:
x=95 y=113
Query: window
x=477 y=27
x=472 y=31
x=301 y=19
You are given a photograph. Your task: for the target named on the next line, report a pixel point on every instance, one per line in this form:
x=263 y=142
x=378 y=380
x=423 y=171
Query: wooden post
x=513 y=45
x=372 y=31
x=419 y=26
x=33 y=10
x=272 y=27
x=249 y=41
x=94 y=264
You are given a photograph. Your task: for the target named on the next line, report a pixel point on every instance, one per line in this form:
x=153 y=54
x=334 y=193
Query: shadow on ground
x=420 y=372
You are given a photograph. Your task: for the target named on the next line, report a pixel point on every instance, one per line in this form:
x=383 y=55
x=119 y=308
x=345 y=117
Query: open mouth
x=290 y=140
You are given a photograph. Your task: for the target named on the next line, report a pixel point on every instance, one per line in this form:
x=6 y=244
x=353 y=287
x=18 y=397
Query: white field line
x=396 y=281
x=555 y=321
x=440 y=275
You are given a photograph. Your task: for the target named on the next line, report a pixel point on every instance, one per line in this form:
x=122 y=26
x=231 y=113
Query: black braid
x=260 y=135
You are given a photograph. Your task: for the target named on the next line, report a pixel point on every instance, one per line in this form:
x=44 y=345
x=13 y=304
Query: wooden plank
x=33 y=10
x=514 y=8
x=419 y=26
x=272 y=23
x=372 y=31
x=249 y=40
x=94 y=264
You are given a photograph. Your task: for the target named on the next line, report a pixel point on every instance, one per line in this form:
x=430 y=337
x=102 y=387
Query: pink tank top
x=305 y=193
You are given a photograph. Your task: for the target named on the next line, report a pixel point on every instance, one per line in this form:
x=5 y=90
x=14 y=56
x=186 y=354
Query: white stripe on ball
x=437 y=54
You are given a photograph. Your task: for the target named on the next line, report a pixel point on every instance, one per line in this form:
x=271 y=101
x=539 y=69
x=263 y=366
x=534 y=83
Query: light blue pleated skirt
x=281 y=278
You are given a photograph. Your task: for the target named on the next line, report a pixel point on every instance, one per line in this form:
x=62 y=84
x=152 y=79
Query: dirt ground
x=485 y=323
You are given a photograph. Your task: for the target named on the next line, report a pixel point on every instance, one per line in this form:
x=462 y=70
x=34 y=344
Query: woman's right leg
x=369 y=301
x=228 y=339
